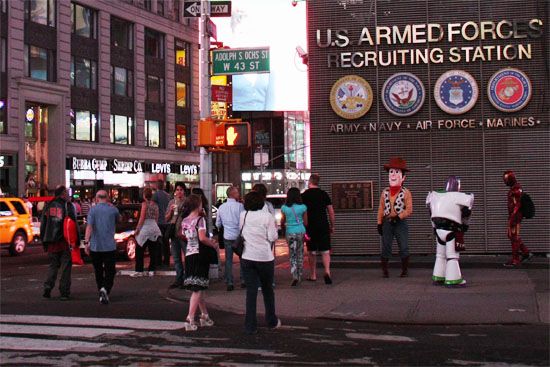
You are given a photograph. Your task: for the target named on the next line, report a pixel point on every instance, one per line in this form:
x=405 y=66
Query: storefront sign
x=161 y=168
x=352 y=195
x=85 y=164
x=431 y=33
x=189 y=169
x=126 y=166
x=6 y=161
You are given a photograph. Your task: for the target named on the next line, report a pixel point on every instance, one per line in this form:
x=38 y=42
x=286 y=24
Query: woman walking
x=258 y=262
x=147 y=234
x=295 y=219
x=197 y=266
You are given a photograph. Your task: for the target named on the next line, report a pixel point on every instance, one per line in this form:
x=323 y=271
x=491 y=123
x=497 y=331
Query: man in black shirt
x=320 y=226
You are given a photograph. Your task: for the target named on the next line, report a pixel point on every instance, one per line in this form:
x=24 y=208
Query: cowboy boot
x=404 y=267
x=385 y=272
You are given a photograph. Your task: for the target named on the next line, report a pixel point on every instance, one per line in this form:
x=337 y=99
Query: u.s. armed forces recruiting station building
x=453 y=87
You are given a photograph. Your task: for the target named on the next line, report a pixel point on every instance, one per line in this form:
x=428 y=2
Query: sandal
x=189 y=325
x=205 y=320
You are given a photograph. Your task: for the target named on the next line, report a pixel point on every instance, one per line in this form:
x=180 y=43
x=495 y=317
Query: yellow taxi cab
x=15 y=225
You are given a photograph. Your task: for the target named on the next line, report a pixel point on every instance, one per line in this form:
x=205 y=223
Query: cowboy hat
x=397 y=163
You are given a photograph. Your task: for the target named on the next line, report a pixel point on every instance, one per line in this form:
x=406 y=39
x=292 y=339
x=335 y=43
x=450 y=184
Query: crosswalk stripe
x=93 y=321
x=82 y=332
x=16 y=343
x=389 y=338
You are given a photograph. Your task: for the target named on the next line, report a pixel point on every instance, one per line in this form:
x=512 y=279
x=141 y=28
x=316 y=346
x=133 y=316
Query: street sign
x=240 y=61
x=220 y=8
x=192 y=9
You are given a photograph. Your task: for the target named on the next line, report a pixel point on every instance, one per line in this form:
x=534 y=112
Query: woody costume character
x=514 y=220
x=449 y=212
x=394 y=209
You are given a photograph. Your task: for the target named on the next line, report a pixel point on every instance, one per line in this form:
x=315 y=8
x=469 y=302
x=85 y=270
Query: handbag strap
x=244 y=221
x=295 y=216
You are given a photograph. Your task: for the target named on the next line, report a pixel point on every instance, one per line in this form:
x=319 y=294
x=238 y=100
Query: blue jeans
x=229 y=262
x=259 y=272
x=177 y=247
x=399 y=230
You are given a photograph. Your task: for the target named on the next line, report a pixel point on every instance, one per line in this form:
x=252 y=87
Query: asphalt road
x=83 y=332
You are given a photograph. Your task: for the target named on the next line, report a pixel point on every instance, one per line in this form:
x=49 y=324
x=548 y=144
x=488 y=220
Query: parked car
x=277 y=200
x=124 y=230
x=15 y=225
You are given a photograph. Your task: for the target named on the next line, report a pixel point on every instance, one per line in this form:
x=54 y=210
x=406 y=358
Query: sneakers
x=294 y=283
x=512 y=264
x=243 y=285
x=47 y=293
x=136 y=274
x=64 y=297
x=190 y=325
x=205 y=320
x=103 y=297
x=230 y=287
x=527 y=257
x=279 y=324
x=151 y=274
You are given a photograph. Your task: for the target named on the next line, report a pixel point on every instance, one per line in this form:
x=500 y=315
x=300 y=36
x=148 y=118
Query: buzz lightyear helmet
x=453 y=184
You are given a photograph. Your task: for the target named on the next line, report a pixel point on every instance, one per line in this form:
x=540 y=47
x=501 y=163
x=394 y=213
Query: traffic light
x=237 y=134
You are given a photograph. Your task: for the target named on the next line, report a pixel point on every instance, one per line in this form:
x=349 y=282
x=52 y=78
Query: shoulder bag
x=238 y=244
x=207 y=253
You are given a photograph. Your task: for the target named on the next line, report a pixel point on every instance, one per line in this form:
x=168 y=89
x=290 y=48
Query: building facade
x=454 y=88
x=97 y=94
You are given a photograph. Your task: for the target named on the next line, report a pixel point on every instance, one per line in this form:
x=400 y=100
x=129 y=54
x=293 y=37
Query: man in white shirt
x=228 y=218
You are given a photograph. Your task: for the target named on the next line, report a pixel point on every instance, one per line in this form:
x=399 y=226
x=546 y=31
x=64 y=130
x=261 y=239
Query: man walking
x=319 y=227
x=228 y=218
x=162 y=198
x=59 y=251
x=100 y=243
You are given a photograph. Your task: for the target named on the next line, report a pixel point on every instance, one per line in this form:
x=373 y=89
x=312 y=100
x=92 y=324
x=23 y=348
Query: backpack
x=527 y=206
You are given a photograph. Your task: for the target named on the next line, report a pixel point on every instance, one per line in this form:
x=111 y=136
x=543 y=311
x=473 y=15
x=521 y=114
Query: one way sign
x=217 y=8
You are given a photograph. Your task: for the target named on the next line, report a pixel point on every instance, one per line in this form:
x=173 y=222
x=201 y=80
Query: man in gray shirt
x=228 y=217
x=162 y=198
x=100 y=243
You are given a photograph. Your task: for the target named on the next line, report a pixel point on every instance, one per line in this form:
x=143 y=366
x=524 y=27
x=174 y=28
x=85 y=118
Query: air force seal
x=351 y=97
x=456 y=92
x=509 y=90
x=403 y=94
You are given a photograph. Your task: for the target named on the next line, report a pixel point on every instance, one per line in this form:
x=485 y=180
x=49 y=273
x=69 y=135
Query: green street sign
x=240 y=61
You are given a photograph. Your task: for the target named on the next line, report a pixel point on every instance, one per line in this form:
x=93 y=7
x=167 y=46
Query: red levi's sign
x=221 y=93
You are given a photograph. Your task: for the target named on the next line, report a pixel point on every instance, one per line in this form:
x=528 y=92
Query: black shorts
x=319 y=242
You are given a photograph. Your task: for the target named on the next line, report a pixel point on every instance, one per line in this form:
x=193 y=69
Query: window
x=181 y=94
x=122 y=130
x=147 y=4
x=40 y=11
x=155 y=89
x=3 y=119
x=83 y=73
x=39 y=63
x=123 y=82
x=152 y=133
x=3 y=55
x=181 y=136
x=181 y=53
x=84 y=21
x=177 y=10
x=83 y=126
x=122 y=33
x=160 y=7
x=154 y=43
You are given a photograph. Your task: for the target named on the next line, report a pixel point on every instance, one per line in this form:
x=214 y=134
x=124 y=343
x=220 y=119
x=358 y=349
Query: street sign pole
x=205 y=156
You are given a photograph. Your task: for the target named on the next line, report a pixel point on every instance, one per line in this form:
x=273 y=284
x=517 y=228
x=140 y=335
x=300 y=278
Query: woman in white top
x=258 y=262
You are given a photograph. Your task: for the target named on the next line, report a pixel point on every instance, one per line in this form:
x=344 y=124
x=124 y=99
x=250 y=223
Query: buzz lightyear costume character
x=394 y=209
x=450 y=211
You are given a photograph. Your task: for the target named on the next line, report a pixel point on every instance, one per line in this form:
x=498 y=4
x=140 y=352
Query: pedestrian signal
x=237 y=135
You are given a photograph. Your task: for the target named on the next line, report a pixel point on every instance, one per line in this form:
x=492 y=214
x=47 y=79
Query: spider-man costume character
x=514 y=220
x=449 y=211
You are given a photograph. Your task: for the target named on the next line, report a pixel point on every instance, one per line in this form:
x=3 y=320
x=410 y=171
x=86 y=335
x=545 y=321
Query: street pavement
x=493 y=294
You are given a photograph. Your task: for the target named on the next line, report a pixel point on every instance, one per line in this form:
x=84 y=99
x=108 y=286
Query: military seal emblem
x=351 y=97
x=403 y=94
x=456 y=92
x=509 y=90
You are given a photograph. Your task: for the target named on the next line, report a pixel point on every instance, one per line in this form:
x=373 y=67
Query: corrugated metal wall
x=479 y=155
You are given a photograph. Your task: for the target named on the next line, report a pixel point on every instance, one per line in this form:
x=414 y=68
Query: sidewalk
x=493 y=294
